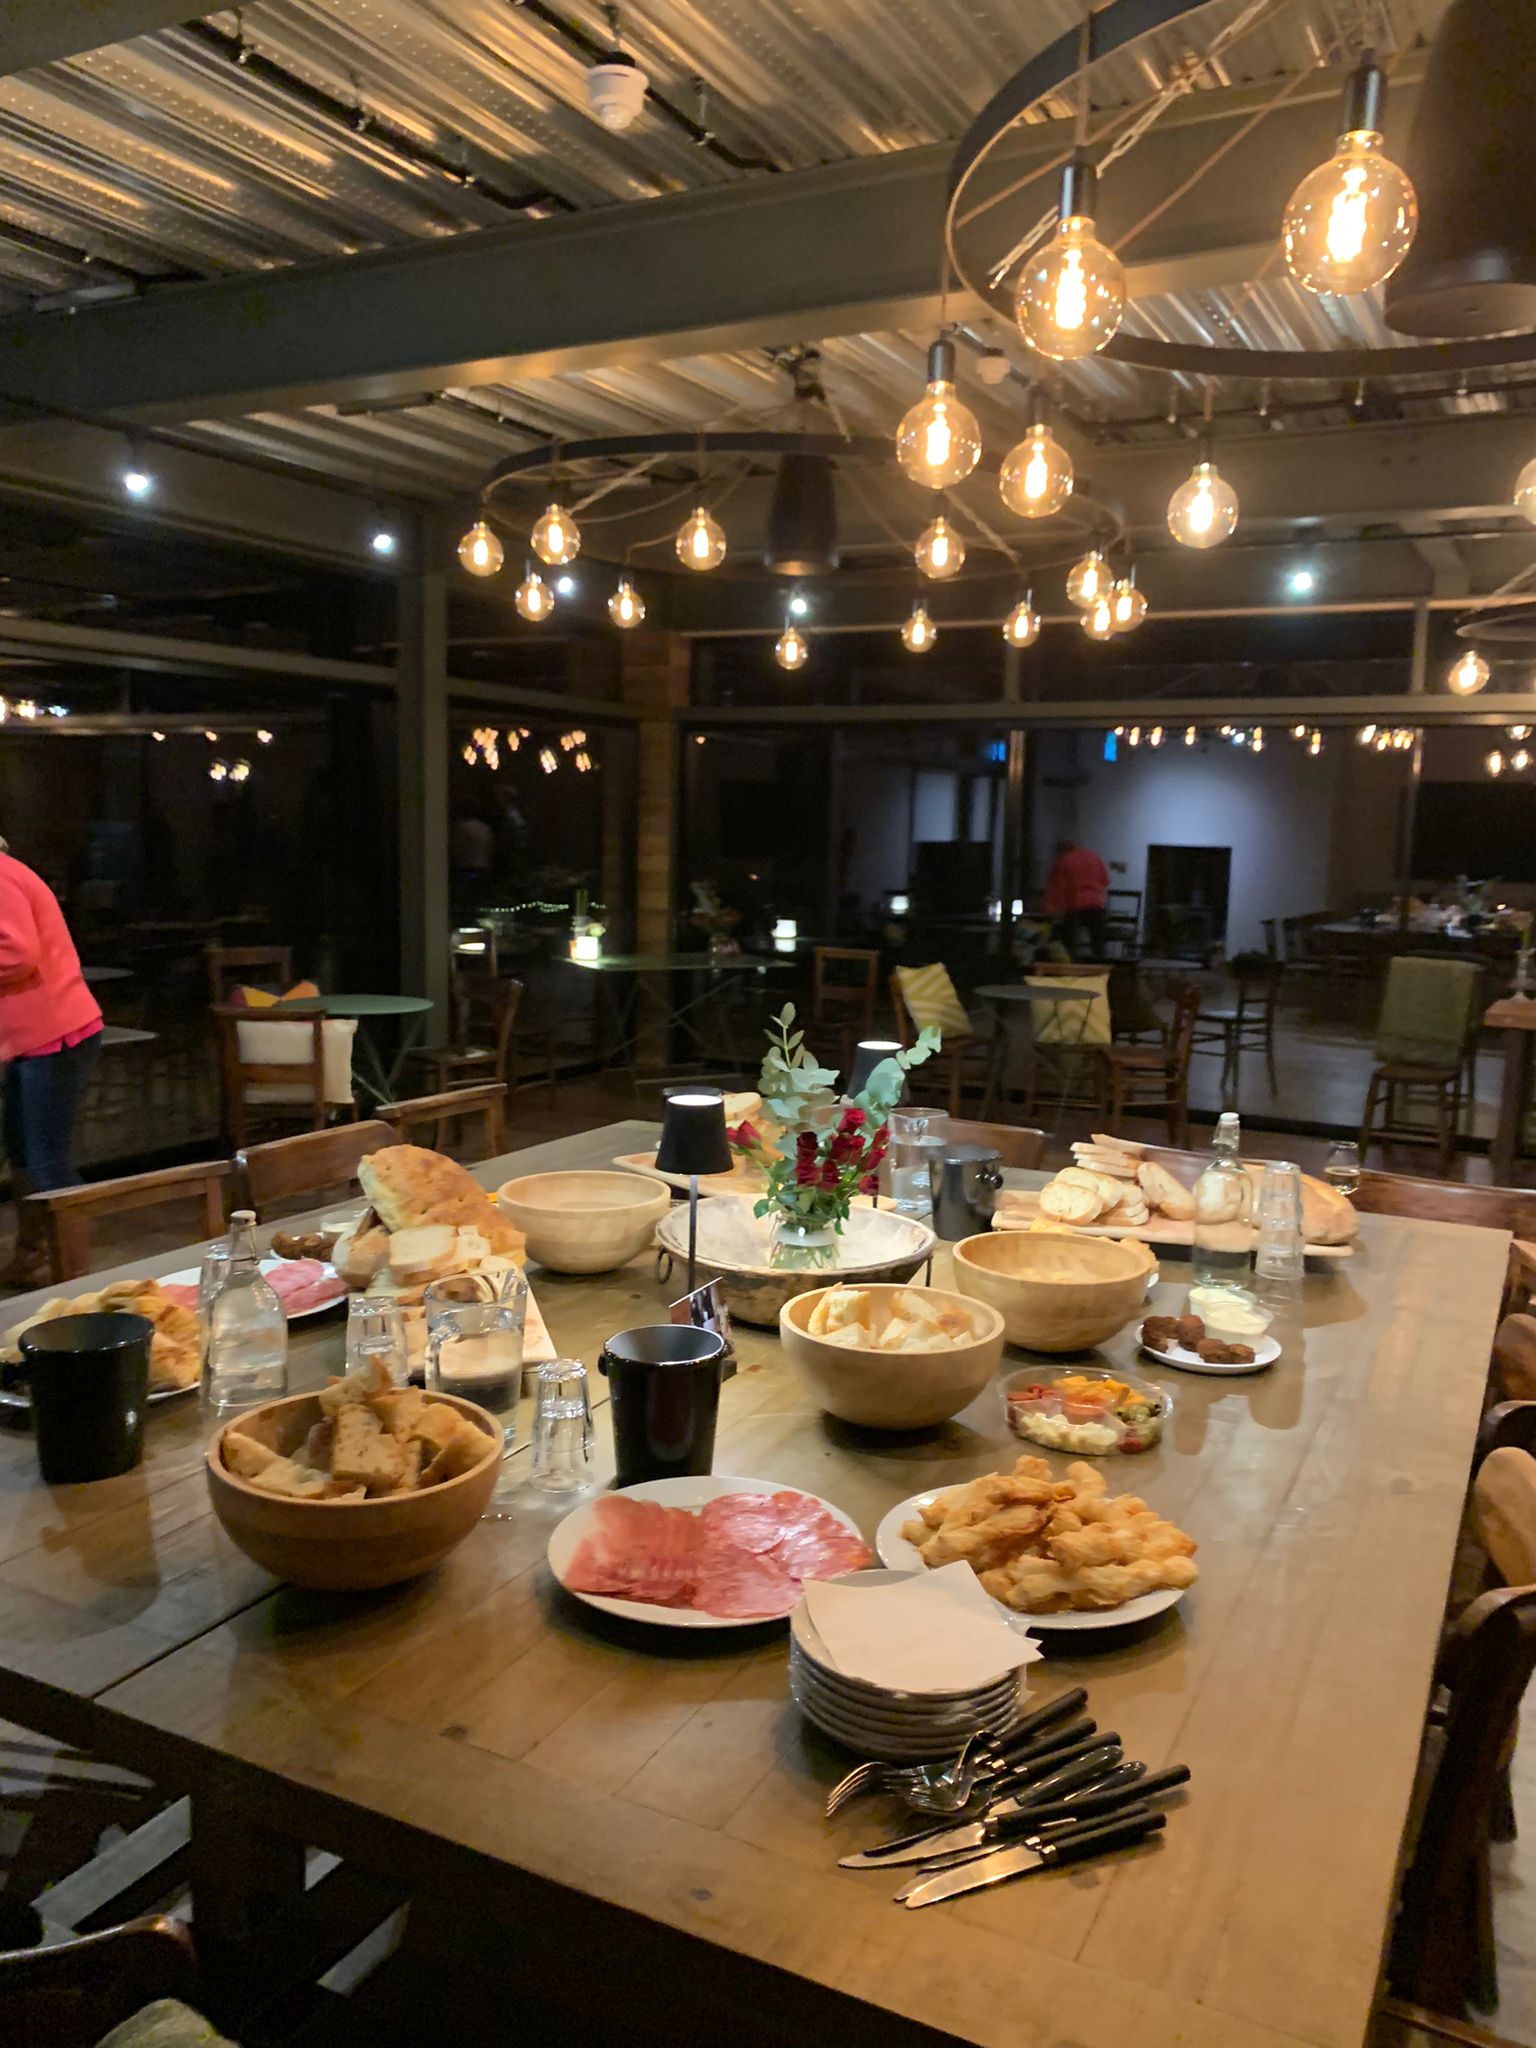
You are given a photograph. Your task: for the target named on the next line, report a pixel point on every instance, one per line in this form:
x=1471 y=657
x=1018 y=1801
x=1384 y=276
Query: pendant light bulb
x=791 y=650
x=1127 y=604
x=534 y=598
x=626 y=607
x=1099 y=619
x=1468 y=674
x=1021 y=628
x=1036 y=477
x=1495 y=763
x=1525 y=491
x=938 y=442
x=1071 y=293
x=480 y=551
x=1088 y=580
x=918 y=632
x=556 y=538
x=1203 y=510
x=1350 y=223
x=700 y=541
x=940 y=551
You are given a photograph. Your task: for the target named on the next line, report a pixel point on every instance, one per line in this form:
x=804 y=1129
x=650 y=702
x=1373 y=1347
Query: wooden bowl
x=736 y=1247
x=1055 y=1293
x=893 y=1389
x=584 y=1222
x=346 y=1546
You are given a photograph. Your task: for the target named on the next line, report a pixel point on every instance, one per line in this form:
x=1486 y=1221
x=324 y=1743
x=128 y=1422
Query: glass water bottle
x=1223 y=1233
x=247 y=1360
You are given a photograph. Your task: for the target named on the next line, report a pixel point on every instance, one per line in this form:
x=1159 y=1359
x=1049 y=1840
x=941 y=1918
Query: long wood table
x=652 y=1802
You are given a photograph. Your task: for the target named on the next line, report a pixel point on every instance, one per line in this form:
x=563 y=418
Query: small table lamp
x=693 y=1141
x=867 y=1055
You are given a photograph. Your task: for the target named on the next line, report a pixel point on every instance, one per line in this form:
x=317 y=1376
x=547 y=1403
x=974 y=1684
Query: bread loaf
x=1165 y=1194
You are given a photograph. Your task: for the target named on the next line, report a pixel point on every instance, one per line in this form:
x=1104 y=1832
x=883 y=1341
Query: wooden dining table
x=583 y=1790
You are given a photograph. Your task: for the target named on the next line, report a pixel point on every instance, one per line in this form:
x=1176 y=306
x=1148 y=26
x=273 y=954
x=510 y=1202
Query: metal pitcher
x=966 y=1181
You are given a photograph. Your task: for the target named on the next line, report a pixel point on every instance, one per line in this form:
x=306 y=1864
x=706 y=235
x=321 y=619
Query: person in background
x=1076 y=891
x=50 y=1035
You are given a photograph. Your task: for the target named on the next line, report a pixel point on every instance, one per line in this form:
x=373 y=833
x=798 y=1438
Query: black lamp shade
x=802 y=517
x=867 y=1055
x=693 y=1136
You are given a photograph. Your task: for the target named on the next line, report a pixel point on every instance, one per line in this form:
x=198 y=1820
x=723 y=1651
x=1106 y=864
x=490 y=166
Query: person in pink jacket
x=50 y=1035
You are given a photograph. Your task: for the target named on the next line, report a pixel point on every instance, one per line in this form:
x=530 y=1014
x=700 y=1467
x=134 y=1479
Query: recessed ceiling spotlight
x=799 y=605
x=566 y=585
x=1301 y=582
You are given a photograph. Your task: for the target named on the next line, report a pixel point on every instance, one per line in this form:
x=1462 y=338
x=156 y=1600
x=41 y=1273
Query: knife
x=963 y=1845
x=1094 y=1760
x=1003 y=1865
x=1061 y=1708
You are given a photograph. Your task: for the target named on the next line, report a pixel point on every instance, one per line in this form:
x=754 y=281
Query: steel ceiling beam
x=41 y=31
x=848 y=248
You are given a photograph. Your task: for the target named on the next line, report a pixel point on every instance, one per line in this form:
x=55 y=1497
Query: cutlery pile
x=1058 y=1790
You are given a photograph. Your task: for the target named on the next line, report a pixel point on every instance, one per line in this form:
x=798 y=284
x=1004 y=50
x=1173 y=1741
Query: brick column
x=654 y=678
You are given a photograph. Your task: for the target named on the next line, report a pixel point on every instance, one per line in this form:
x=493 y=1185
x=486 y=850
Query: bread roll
x=1067 y=1201
x=1164 y=1193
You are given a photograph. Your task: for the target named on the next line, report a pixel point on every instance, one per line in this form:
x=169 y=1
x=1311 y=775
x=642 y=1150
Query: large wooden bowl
x=893 y=1389
x=346 y=1546
x=584 y=1222
x=1055 y=1293
x=736 y=1248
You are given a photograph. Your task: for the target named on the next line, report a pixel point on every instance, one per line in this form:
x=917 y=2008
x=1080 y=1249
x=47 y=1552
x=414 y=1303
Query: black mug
x=664 y=1396
x=89 y=1380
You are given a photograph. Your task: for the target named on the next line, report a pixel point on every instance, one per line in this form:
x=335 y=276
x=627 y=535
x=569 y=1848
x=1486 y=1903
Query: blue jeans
x=41 y=1099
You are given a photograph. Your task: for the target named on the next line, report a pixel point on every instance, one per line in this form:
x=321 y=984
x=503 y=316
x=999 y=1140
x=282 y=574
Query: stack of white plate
x=898 y=1727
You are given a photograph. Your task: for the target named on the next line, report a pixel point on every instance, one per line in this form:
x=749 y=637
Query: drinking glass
x=918 y=1137
x=1342 y=1167
x=562 y=1427
x=442 y=1297
x=475 y=1350
x=1279 y=1260
x=376 y=1330
x=211 y=1277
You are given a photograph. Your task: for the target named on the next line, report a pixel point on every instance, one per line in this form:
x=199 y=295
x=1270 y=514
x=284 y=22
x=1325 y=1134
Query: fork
x=949 y=1784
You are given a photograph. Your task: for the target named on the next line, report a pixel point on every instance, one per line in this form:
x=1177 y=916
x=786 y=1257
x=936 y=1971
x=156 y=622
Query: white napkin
x=935 y=1633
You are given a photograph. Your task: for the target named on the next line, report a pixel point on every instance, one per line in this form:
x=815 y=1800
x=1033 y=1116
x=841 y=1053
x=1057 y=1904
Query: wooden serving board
x=1017 y=1209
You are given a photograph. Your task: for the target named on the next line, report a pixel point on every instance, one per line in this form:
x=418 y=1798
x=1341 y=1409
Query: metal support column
x=423 y=783
x=1013 y=804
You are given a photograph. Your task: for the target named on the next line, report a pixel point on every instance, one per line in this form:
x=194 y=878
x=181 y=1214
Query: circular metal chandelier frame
x=1116 y=27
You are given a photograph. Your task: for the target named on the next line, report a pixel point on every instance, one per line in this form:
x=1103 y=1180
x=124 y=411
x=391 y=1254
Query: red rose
x=830 y=1175
x=806 y=1172
x=870 y=1184
x=853 y=1118
x=744 y=1136
x=805 y=1144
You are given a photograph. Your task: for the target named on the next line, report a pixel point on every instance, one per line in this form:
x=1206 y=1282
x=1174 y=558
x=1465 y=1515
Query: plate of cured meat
x=709 y=1552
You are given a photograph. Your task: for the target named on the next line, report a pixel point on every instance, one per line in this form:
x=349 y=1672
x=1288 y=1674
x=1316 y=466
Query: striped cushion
x=930 y=997
x=1064 y=1023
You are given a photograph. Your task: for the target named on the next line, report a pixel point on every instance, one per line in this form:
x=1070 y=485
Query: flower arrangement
x=827 y=1157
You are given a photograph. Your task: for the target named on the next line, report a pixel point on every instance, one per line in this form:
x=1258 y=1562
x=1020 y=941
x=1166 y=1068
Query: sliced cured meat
x=814 y=1543
x=180 y=1292
x=749 y=1520
x=742 y=1585
x=304 y=1284
x=637 y=1550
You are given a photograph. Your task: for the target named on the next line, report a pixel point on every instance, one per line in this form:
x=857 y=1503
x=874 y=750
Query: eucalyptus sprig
x=792 y=1083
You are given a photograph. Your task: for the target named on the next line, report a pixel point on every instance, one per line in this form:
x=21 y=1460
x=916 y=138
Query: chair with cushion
x=68 y=1213
x=231 y=966
x=451 y=1108
x=488 y=1028
x=1154 y=1079
x=1424 y=1038
x=925 y=998
x=309 y=1163
x=1071 y=1038
x=283 y=1069
x=121 y=1988
x=1243 y=1022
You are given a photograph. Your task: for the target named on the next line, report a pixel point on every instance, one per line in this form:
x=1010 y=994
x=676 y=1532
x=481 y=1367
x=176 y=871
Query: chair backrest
x=228 y=966
x=70 y=1994
x=486 y=1100
x=1447 y=1201
x=1271 y=936
x=1429 y=1011
x=1015 y=1144
x=486 y=1005
x=1514 y=1358
x=843 y=983
x=1180 y=1040
x=1257 y=976
x=308 y=1163
x=1503 y=1513
x=68 y=1213
x=301 y=1080
x=927 y=995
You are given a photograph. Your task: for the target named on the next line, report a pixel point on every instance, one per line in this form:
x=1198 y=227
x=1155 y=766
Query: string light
x=1021 y=628
x=790 y=649
x=534 y=598
x=153 y=735
x=1155 y=736
x=218 y=771
x=1520 y=760
x=1495 y=763
x=481 y=551
x=700 y=541
x=240 y=771
x=1071 y=293
x=626 y=608
x=1298 y=732
x=1518 y=732
x=938 y=442
x=1350 y=223
x=470 y=756
x=1099 y=619
x=1203 y=510
x=1133 y=737
x=1468 y=674
x=1036 y=478
x=582 y=762
x=1256 y=739
x=1365 y=735
x=548 y=761
x=1190 y=735
x=556 y=538
x=918 y=631
x=263 y=737
x=1128 y=607
x=940 y=551
x=1087 y=580
x=1315 y=743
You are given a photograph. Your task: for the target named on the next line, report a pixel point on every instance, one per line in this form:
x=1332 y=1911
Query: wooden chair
x=487 y=1030
x=308 y=1163
x=1246 y=1023
x=297 y=1089
x=1425 y=1040
x=68 y=1213
x=844 y=980
x=1441 y=1954
x=1514 y=1358
x=1015 y=1144
x=963 y=1058
x=1447 y=1201
x=71 y=1993
x=1155 y=1078
x=229 y=966
x=451 y=1106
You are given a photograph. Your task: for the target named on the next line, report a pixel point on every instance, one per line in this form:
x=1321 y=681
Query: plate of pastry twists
x=1059 y=1547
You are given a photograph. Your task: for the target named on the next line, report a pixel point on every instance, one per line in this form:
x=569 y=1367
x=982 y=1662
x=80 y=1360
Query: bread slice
x=362 y=1256
x=245 y=1456
x=424 y=1253
x=1105 y=1143
x=1067 y=1201
x=363 y=1455
x=301 y=1482
x=1165 y=1194
x=1077 y=1176
x=1115 y=1164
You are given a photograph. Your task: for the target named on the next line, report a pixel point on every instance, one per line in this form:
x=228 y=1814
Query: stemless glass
x=918 y=1137
x=376 y=1330
x=562 y=1427
x=475 y=1350
x=1279 y=1259
x=1342 y=1167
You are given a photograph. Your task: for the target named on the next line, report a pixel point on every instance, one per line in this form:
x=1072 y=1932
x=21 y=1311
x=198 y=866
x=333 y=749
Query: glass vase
x=801 y=1244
